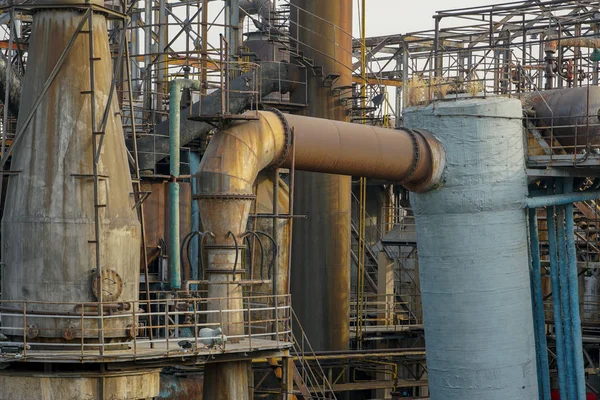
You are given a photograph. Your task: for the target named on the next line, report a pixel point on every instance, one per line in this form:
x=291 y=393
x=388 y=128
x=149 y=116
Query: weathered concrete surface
x=79 y=386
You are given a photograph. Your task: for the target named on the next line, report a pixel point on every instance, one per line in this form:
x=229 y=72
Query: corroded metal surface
x=236 y=155
x=156 y=218
x=321 y=256
x=227 y=381
x=127 y=385
x=182 y=385
x=49 y=212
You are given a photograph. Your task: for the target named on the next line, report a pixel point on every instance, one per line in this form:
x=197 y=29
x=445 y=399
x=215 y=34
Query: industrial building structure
x=241 y=200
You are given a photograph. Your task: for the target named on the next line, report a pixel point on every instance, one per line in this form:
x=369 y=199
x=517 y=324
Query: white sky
x=385 y=17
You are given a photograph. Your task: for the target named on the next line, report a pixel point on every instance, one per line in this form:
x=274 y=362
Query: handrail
x=129 y=326
x=301 y=354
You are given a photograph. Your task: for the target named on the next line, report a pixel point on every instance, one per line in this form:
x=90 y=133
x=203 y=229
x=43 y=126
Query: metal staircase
x=309 y=379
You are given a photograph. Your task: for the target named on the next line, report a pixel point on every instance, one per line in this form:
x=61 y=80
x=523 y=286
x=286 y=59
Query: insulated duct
x=473 y=255
x=231 y=165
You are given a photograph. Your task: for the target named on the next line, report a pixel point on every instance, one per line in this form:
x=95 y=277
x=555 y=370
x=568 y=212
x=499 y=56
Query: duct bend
x=236 y=155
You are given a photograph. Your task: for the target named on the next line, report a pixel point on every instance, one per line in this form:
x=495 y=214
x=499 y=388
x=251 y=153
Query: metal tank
x=48 y=228
x=572 y=113
x=321 y=257
x=267 y=47
x=473 y=255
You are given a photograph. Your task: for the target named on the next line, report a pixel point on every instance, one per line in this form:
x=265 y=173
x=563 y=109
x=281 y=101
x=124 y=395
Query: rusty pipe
x=236 y=155
x=586 y=42
x=413 y=158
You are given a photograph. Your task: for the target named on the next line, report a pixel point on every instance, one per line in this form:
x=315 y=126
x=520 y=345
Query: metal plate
x=112 y=285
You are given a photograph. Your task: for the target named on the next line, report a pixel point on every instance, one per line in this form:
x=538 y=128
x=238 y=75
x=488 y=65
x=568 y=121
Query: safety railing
x=283 y=84
x=387 y=311
x=560 y=140
x=172 y=326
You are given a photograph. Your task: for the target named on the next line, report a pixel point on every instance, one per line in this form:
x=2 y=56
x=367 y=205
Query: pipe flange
x=435 y=170
x=68 y=333
x=288 y=137
x=224 y=196
x=32 y=331
x=417 y=155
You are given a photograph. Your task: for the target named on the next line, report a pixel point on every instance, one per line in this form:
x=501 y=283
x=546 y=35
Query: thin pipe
x=174 y=148
x=564 y=302
x=574 y=296
x=561 y=199
x=558 y=325
x=237 y=252
x=275 y=252
x=538 y=306
x=262 y=251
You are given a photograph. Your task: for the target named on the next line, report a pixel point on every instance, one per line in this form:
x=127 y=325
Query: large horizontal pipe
x=411 y=157
x=236 y=155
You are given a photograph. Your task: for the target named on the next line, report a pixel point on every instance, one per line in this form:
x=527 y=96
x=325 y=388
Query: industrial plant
x=254 y=199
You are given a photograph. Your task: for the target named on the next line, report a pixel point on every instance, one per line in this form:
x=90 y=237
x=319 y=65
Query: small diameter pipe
x=574 y=296
x=558 y=324
x=538 y=307
x=174 y=153
x=564 y=301
x=561 y=199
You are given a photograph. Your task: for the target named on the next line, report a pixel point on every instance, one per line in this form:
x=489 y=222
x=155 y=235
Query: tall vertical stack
x=51 y=237
x=321 y=243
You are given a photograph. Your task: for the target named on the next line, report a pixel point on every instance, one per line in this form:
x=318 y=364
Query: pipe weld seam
x=287 y=137
x=417 y=155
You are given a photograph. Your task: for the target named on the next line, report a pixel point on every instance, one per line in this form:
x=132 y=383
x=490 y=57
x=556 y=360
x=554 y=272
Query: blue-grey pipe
x=561 y=199
x=174 y=152
x=558 y=323
x=574 y=295
x=564 y=301
x=538 y=307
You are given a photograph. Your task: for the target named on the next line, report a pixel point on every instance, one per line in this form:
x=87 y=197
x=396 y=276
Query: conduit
x=558 y=322
x=231 y=164
x=573 y=289
x=174 y=160
x=538 y=307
